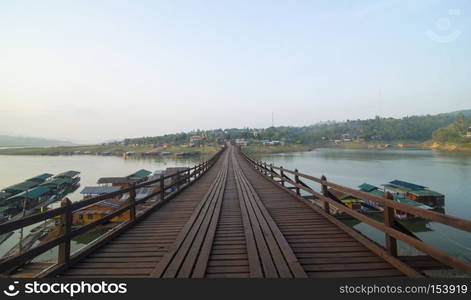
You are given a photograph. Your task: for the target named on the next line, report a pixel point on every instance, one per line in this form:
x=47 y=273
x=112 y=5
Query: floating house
x=98 y=210
x=121 y=182
x=92 y=191
x=414 y=192
x=140 y=175
x=348 y=200
x=371 y=189
x=127 y=181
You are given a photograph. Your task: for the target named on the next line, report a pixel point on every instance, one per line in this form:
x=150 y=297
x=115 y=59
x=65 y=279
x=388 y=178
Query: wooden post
x=391 y=243
x=65 y=229
x=162 y=187
x=271 y=171
x=325 y=192
x=132 y=202
x=282 y=175
x=296 y=179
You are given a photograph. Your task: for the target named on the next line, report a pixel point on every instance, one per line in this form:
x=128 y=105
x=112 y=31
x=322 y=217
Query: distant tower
x=272 y=119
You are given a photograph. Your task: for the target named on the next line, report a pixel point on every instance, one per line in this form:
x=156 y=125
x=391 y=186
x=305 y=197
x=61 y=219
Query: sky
x=97 y=70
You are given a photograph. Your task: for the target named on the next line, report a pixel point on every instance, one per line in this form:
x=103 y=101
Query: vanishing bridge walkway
x=232 y=217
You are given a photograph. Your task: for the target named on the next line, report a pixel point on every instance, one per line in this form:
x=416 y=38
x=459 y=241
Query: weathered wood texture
x=233 y=223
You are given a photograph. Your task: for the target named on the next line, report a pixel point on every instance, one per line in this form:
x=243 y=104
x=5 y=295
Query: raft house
x=371 y=189
x=414 y=192
x=348 y=200
x=108 y=185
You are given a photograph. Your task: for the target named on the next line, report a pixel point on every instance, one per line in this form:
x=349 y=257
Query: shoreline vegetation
x=444 y=132
x=114 y=150
x=186 y=151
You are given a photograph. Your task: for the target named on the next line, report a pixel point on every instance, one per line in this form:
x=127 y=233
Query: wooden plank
x=175 y=258
x=285 y=248
x=262 y=256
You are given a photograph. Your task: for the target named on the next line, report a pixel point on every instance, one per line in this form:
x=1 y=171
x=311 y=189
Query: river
x=447 y=173
x=15 y=169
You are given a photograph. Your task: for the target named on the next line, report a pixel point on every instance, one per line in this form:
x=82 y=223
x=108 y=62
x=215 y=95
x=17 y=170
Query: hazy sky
x=97 y=70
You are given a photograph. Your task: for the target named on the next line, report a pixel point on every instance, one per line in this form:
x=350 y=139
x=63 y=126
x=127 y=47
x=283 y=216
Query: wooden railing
x=296 y=183
x=67 y=209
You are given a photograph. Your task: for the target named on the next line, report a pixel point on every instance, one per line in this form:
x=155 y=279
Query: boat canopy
x=40 y=178
x=67 y=174
x=33 y=193
x=21 y=187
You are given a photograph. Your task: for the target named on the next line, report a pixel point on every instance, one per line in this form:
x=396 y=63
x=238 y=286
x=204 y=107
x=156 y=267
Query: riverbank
x=428 y=145
x=286 y=148
x=409 y=145
x=455 y=147
x=376 y=145
x=117 y=150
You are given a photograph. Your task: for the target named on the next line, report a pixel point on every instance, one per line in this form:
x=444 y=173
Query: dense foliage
x=454 y=132
x=414 y=128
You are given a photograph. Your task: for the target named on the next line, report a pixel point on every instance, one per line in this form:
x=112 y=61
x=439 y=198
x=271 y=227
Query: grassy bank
x=104 y=149
x=263 y=149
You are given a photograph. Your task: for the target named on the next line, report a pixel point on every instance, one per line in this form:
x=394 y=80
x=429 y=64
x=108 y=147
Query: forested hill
x=413 y=128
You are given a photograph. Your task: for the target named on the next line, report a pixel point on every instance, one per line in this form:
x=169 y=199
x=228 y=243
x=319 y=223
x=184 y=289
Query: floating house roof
x=377 y=192
x=67 y=174
x=366 y=187
x=412 y=203
x=406 y=185
x=99 y=190
x=140 y=174
x=341 y=195
x=426 y=192
x=20 y=187
x=111 y=203
x=115 y=180
x=40 y=178
x=32 y=193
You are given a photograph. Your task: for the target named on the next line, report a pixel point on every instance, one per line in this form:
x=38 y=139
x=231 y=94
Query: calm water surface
x=15 y=169
x=447 y=173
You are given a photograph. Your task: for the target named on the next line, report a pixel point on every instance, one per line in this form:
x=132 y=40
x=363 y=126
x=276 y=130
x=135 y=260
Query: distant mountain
x=18 y=141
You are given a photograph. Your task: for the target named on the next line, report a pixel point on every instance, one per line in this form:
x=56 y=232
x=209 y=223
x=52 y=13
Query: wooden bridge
x=232 y=217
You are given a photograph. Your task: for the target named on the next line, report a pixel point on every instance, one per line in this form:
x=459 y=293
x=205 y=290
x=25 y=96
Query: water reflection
x=446 y=172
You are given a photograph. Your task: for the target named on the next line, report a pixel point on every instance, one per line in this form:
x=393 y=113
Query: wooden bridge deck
x=233 y=223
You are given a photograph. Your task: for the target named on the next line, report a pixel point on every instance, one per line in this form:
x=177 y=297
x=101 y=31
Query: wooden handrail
x=387 y=227
x=67 y=209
